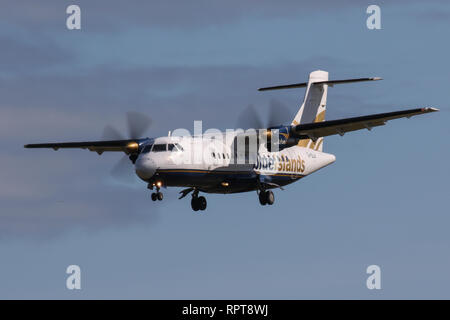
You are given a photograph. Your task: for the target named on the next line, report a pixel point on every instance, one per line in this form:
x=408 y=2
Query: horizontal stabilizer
x=328 y=82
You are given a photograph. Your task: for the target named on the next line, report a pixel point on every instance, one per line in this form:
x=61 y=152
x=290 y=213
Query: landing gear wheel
x=194 y=204
x=262 y=198
x=198 y=203
x=266 y=197
x=270 y=198
x=201 y=203
x=157 y=196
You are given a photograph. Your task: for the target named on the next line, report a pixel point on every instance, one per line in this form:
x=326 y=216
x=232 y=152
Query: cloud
x=434 y=16
x=29 y=54
x=103 y=15
x=101 y=92
x=44 y=194
x=115 y=14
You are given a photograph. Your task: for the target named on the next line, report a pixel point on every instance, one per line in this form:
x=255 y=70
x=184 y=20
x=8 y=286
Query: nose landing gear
x=158 y=195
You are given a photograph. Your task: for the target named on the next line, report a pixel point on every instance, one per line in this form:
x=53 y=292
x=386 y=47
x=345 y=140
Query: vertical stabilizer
x=313 y=107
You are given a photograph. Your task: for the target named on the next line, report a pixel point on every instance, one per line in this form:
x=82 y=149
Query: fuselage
x=214 y=166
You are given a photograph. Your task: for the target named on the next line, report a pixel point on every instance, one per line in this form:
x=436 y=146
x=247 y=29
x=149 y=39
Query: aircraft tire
x=194 y=204
x=270 y=198
x=201 y=203
x=262 y=198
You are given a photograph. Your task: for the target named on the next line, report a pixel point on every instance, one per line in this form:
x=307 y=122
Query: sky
x=383 y=202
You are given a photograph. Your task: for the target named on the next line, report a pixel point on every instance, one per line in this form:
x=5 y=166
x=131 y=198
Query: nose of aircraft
x=145 y=168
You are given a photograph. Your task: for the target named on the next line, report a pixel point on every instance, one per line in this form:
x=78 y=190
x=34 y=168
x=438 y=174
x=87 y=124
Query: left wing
x=316 y=130
x=127 y=146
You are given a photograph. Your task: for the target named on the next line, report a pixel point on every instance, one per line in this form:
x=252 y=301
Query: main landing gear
x=198 y=203
x=266 y=197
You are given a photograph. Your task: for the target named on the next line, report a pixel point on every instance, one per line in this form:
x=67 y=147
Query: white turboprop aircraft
x=283 y=154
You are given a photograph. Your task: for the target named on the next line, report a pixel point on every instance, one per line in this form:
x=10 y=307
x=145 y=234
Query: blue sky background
x=384 y=201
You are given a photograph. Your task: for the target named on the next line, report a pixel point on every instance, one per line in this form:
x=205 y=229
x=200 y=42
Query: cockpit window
x=147 y=148
x=174 y=147
x=159 y=148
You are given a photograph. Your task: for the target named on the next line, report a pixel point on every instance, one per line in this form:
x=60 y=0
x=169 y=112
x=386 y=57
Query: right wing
x=316 y=130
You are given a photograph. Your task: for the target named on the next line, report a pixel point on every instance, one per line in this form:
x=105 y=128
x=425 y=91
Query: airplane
x=253 y=160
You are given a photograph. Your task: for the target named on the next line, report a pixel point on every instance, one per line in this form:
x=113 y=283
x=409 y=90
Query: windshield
x=174 y=147
x=159 y=147
x=147 y=148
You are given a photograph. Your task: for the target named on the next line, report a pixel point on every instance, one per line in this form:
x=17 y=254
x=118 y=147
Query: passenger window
x=214 y=155
x=223 y=154
x=159 y=148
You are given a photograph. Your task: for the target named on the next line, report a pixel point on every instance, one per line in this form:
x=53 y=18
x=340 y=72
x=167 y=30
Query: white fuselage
x=211 y=165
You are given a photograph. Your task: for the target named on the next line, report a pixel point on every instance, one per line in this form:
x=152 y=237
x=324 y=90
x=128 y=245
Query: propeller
x=249 y=118
x=278 y=115
x=137 y=125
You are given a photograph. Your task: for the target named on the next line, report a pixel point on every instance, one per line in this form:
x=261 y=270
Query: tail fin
x=313 y=107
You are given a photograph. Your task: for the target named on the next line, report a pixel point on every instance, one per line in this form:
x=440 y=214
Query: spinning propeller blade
x=250 y=119
x=137 y=125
